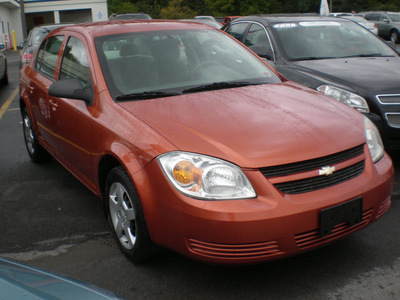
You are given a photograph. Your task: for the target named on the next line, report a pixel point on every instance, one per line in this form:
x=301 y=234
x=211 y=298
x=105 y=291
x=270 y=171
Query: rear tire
x=126 y=217
x=394 y=36
x=36 y=152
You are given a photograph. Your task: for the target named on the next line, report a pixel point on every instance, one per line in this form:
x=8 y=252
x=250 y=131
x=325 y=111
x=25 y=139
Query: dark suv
x=335 y=56
x=388 y=24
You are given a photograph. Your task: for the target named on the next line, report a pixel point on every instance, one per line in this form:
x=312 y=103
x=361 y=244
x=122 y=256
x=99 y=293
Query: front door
x=71 y=118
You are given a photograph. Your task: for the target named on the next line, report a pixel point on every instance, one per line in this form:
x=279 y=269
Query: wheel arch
x=107 y=162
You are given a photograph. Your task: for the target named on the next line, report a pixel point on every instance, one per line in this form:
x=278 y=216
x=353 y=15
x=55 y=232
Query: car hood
x=254 y=126
x=19 y=281
x=373 y=74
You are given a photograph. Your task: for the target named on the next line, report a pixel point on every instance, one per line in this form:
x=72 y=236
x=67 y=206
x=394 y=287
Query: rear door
x=41 y=77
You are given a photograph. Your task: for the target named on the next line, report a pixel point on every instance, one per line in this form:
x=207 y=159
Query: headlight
x=205 y=177
x=374 y=140
x=345 y=97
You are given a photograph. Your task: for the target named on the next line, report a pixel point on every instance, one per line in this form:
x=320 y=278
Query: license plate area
x=349 y=212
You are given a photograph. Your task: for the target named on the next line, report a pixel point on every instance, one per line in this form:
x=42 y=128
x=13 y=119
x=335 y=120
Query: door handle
x=53 y=104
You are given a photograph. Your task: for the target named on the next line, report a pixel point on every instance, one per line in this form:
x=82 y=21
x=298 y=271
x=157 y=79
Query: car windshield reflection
x=327 y=39
x=142 y=66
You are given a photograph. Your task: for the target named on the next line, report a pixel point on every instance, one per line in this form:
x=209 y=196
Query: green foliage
x=121 y=6
x=177 y=9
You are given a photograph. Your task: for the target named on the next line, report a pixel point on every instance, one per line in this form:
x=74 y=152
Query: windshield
x=175 y=62
x=328 y=39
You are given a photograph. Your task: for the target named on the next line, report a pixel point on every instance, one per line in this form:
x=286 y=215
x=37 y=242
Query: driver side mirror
x=73 y=89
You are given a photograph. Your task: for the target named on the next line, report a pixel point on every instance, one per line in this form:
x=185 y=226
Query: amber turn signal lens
x=184 y=172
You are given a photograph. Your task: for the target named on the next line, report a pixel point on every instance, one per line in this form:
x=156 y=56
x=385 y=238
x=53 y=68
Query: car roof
x=120 y=26
x=283 y=18
x=52 y=25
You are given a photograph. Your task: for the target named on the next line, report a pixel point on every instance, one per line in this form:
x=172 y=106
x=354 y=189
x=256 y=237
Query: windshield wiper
x=218 y=86
x=146 y=95
x=312 y=58
x=369 y=55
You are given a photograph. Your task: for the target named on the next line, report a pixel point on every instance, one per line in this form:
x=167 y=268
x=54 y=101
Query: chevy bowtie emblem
x=327 y=170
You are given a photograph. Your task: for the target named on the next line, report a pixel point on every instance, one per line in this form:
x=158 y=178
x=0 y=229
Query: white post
x=57 y=17
x=324 y=8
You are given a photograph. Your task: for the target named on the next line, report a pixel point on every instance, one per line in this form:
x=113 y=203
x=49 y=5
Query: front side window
x=328 y=39
x=47 y=55
x=372 y=16
x=75 y=62
x=394 y=17
x=177 y=61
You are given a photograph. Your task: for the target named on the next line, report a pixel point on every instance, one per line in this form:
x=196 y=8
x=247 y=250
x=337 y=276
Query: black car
x=335 y=56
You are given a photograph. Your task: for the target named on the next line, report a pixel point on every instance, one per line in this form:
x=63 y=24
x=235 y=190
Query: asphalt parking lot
x=49 y=220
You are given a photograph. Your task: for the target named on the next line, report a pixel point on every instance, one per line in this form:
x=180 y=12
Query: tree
x=121 y=6
x=177 y=9
x=224 y=7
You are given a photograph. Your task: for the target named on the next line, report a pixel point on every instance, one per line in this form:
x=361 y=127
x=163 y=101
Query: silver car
x=371 y=26
x=388 y=24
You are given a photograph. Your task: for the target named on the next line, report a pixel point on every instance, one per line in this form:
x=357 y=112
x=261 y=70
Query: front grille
x=389 y=99
x=384 y=207
x=312 y=238
x=238 y=251
x=393 y=119
x=312 y=164
x=320 y=182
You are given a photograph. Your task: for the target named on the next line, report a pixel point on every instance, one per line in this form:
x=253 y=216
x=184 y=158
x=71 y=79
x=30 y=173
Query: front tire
x=126 y=217
x=36 y=152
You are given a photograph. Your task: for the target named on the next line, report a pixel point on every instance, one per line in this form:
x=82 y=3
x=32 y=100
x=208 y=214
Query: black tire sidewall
x=142 y=248
x=40 y=154
x=398 y=36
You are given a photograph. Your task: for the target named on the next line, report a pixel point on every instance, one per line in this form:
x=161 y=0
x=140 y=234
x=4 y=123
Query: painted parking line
x=10 y=99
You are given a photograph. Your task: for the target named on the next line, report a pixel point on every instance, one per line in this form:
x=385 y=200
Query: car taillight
x=26 y=58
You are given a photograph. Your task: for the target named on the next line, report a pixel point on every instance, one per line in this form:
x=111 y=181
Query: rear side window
x=75 y=62
x=47 y=55
x=258 y=38
x=237 y=30
x=372 y=17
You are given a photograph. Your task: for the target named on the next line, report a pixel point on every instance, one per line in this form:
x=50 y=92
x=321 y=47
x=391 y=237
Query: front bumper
x=271 y=226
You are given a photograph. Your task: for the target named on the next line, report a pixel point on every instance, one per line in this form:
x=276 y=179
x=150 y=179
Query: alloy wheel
x=122 y=215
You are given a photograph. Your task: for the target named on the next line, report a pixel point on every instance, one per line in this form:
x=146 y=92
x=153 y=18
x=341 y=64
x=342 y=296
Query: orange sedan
x=193 y=143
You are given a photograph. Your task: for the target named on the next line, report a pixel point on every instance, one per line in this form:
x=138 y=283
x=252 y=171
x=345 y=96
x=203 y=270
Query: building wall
x=10 y=17
x=98 y=8
x=49 y=11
